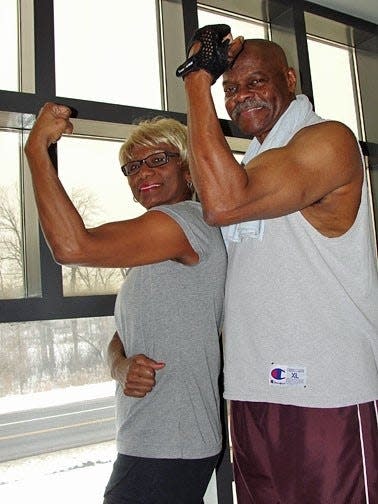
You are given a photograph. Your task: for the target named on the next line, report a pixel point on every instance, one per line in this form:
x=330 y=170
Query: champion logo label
x=278 y=374
x=287 y=375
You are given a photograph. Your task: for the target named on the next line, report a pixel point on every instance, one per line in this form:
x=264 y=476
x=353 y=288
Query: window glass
x=108 y=51
x=9 y=45
x=332 y=82
x=57 y=411
x=11 y=241
x=90 y=171
x=56 y=354
x=57 y=397
x=248 y=28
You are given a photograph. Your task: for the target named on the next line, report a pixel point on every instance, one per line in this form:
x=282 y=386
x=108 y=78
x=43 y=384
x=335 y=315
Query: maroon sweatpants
x=293 y=455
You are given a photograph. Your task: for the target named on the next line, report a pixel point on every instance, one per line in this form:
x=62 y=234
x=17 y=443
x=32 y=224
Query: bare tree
x=81 y=280
x=11 y=248
x=41 y=355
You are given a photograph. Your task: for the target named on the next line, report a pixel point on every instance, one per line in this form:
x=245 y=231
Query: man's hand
x=52 y=121
x=136 y=374
x=236 y=45
x=211 y=49
x=210 y=54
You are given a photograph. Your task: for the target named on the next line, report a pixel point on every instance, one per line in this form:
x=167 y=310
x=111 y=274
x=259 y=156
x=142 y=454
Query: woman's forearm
x=115 y=356
x=61 y=223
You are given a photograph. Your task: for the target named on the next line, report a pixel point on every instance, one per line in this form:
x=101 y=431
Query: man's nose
x=244 y=92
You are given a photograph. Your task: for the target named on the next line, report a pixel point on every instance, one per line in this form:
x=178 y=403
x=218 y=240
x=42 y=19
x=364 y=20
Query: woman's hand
x=52 y=121
x=136 y=374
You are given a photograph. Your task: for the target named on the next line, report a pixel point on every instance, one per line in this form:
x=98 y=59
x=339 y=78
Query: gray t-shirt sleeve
x=188 y=215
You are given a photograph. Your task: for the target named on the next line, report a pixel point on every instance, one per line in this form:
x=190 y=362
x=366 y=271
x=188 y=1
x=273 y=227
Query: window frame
x=37 y=85
x=18 y=109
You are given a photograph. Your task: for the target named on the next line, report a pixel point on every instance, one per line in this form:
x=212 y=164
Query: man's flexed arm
x=210 y=156
x=213 y=167
x=319 y=161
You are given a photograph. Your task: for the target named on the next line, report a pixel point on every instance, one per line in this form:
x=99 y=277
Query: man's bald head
x=265 y=49
x=259 y=87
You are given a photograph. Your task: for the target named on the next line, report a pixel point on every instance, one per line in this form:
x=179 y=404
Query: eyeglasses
x=153 y=161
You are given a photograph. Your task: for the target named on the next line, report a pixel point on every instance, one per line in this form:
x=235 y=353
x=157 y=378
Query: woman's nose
x=145 y=170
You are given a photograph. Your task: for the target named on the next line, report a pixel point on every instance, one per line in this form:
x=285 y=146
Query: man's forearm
x=212 y=164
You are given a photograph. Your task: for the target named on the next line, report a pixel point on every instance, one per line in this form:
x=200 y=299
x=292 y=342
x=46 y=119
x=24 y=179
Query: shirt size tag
x=289 y=376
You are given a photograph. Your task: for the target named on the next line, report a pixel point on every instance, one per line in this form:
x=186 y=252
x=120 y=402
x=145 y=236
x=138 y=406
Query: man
x=301 y=321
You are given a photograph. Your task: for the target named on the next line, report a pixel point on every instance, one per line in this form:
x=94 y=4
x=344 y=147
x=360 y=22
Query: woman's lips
x=148 y=187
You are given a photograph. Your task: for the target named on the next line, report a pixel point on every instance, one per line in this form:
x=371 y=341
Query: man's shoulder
x=329 y=129
x=331 y=141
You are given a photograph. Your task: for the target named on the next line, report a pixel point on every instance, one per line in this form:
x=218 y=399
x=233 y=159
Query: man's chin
x=248 y=130
x=249 y=124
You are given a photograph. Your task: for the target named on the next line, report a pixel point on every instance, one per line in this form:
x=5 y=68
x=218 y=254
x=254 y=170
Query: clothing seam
x=363 y=454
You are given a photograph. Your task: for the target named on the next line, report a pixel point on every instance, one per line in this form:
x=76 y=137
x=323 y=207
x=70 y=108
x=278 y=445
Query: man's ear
x=291 y=79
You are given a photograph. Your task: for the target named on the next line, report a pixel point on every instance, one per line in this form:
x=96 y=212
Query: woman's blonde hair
x=150 y=132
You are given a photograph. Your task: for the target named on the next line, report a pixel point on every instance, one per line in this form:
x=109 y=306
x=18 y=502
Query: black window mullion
x=302 y=49
x=288 y=28
x=49 y=308
x=339 y=17
x=44 y=43
x=189 y=10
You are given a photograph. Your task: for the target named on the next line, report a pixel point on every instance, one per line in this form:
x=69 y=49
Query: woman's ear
x=189 y=183
x=188 y=177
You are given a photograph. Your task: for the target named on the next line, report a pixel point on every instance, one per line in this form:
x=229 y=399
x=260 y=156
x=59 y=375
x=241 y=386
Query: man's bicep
x=286 y=179
x=329 y=152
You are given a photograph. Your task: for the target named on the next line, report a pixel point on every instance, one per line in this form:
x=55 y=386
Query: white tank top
x=301 y=324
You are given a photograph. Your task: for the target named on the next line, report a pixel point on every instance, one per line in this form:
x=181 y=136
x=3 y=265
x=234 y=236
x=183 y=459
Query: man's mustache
x=248 y=104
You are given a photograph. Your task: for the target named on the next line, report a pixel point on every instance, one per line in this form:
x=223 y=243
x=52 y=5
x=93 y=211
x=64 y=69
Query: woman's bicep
x=150 y=238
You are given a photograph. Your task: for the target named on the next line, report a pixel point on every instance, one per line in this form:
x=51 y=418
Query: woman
x=168 y=313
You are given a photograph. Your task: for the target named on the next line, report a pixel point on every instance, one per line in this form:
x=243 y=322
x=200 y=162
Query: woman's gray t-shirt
x=173 y=313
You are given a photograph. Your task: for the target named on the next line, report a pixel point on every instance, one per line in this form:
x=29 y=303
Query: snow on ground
x=73 y=476
x=19 y=402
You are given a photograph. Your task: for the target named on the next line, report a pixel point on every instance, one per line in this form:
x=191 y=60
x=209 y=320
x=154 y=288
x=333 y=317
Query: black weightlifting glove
x=212 y=55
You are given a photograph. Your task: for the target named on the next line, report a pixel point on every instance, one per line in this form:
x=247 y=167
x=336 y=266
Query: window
x=11 y=232
x=55 y=389
x=54 y=355
x=104 y=57
x=333 y=82
x=9 y=45
x=46 y=409
x=240 y=25
x=90 y=171
x=344 y=66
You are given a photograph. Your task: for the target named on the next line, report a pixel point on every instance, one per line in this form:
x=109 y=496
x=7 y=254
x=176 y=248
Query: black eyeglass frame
x=145 y=160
